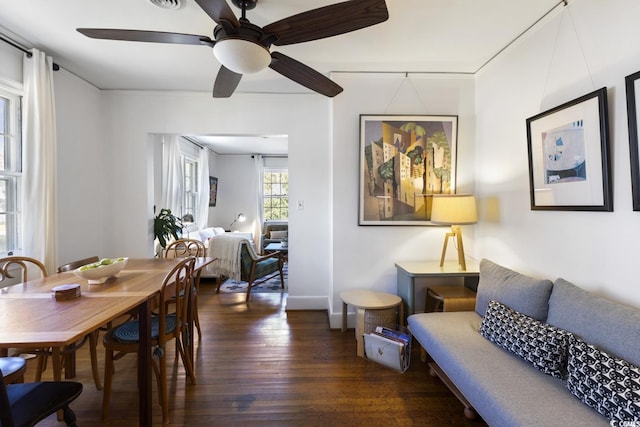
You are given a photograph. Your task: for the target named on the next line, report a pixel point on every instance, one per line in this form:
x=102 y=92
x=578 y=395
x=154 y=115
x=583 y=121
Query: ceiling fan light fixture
x=242 y=56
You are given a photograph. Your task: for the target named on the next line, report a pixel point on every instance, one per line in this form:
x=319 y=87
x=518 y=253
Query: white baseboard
x=307 y=303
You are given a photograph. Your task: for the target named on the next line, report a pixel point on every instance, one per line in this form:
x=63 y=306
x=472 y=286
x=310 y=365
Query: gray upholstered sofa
x=555 y=323
x=274 y=232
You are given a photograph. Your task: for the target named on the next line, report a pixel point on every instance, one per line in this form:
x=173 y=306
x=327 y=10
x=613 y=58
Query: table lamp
x=454 y=210
x=239 y=218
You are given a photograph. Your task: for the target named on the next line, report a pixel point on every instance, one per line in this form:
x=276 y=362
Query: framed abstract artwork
x=632 y=82
x=213 y=190
x=404 y=160
x=569 y=156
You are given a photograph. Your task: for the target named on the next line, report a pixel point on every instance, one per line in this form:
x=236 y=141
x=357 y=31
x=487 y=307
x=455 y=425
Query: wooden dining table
x=31 y=317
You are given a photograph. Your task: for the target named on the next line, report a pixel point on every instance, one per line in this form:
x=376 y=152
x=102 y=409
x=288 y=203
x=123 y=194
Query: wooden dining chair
x=13 y=369
x=28 y=403
x=165 y=326
x=20 y=269
x=93 y=337
x=23 y=268
x=182 y=248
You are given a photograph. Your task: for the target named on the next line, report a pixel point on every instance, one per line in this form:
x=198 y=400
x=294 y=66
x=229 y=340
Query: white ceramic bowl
x=100 y=273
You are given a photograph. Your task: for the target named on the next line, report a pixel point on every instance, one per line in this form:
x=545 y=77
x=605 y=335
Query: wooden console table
x=409 y=271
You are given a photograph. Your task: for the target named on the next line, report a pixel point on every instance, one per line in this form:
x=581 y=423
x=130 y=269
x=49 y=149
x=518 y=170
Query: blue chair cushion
x=10 y=365
x=263 y=268
x=32 y=402
x=266 y=266
x=129 y=332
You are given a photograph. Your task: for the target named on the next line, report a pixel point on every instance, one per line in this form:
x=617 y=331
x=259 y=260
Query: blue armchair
x=255 y=269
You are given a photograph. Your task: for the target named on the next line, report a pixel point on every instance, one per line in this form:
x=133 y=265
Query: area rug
x=271 y=285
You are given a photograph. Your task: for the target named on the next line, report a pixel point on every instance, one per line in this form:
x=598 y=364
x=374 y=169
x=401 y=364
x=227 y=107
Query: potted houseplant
x=165 y=226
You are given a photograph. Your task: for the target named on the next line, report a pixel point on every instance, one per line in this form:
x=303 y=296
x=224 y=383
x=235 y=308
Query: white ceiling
x=244 y=144
x=452 y=36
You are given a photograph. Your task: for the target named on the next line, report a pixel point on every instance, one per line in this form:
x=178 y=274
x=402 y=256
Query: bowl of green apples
x=98 y=272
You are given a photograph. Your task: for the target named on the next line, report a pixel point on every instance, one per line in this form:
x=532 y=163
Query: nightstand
x=414 y=273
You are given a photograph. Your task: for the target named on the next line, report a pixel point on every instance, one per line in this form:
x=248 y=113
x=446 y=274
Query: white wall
x=106 y=163
x=237 y=192
x=83 y=209
x=10 y=64
x=82 y=190
x=364 y=256
x=595 y=250
x=132 y=118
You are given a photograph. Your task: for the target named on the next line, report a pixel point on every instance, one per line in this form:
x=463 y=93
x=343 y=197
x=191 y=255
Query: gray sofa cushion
x=504 y=389
x=522 y=293
x=606 y=383
x=610 y=326
x=542 y=345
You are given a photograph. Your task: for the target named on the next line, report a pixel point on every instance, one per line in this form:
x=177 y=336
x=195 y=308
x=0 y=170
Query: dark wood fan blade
x=306 y=76
x=328 y=21
x=226 y=83
x=219 y=11
x=145 y=36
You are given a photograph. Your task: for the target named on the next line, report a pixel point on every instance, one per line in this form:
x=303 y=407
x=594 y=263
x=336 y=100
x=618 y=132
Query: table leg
x=56 y=360
x=144 y=364
x=344 y=316
x=360 y=312
x=70 y=365
x=406 y=287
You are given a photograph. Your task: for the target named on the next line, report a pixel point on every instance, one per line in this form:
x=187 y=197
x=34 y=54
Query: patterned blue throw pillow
x=542 y=345
x=606 y=383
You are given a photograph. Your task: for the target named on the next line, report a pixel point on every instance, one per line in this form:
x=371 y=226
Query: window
x=190 y=189
x=10 y=172
x=276 y=194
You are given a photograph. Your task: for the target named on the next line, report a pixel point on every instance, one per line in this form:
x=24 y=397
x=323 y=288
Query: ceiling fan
x=242 y=47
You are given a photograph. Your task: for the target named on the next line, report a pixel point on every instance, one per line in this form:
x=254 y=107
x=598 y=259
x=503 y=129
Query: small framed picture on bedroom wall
x=213 y=190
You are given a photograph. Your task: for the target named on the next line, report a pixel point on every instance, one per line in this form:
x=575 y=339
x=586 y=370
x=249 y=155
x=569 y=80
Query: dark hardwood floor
x=258 y=364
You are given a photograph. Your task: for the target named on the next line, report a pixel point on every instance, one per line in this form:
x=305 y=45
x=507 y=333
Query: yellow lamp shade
x=450 y=209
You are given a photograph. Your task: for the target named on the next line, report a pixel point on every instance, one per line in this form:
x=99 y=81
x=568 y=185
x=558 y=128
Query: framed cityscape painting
x=404 y=160
x=569 y=156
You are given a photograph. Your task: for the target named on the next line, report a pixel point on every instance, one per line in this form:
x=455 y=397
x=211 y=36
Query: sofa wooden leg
x=470 y=413
x=435 y=371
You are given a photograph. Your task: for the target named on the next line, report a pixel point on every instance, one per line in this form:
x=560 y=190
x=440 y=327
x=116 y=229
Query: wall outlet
x=300 y=205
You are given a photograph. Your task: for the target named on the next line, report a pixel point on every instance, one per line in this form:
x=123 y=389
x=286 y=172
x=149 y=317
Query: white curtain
x=202 y=212
x=172 y=175
x=257 y=231
x=39 y=209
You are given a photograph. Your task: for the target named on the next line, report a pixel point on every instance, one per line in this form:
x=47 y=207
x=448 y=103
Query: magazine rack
x=389 y=346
